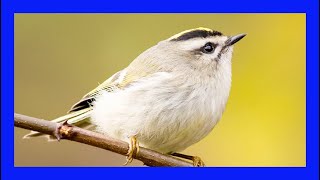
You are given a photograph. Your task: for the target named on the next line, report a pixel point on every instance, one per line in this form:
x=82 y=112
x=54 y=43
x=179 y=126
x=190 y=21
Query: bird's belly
x=163 y=118
x=164 y=123
x=178 y=135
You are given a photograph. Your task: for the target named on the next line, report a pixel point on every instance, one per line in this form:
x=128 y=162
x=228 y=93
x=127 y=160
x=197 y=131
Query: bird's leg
x=63 y=130
x=195 y=159
x=133 y=149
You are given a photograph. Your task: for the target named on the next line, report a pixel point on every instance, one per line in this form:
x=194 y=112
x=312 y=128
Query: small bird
x=170 y=97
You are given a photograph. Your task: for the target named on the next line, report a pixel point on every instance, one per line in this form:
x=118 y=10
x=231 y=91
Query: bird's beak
x=233 y=39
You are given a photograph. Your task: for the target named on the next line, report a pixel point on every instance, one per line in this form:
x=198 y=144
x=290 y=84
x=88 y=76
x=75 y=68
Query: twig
x=147 y=156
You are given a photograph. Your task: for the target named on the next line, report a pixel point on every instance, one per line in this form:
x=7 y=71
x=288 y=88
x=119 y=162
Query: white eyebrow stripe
x=197 y=43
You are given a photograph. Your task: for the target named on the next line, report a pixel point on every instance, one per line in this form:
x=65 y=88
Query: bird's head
x=201 y=48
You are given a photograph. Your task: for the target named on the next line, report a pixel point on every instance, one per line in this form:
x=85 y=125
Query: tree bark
x=73 y=133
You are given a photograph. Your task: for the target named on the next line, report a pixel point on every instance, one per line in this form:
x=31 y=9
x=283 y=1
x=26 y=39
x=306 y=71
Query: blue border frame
x=9 y=7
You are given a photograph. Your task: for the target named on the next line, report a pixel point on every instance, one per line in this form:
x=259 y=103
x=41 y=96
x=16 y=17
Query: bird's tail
x=78 y=118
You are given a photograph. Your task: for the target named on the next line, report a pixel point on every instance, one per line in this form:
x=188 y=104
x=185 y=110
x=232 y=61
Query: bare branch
x=147 y=156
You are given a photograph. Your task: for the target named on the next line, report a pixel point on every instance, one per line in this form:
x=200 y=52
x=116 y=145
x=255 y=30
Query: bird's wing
x=139 y=68
x=109 y=85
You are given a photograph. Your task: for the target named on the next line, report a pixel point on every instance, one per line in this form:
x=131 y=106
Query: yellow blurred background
x=60 y=57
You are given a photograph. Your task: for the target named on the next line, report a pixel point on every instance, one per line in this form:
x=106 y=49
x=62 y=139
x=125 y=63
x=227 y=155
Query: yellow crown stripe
x=189 y=30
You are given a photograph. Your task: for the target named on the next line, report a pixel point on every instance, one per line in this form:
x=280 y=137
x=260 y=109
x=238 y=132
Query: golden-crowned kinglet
x=170 y=97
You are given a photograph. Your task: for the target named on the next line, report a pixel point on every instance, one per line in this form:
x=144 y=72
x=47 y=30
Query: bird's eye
x=207 y=48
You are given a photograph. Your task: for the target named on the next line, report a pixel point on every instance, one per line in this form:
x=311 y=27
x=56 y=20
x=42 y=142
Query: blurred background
x=60 y=57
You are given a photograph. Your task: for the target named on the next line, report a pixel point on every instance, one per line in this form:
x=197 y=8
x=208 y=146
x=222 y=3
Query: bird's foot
x=197 y=162
x=133 y=149
x=63 y=130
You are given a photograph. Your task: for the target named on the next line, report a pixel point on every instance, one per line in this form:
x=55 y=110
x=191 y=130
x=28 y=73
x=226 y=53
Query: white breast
x=164 y=116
